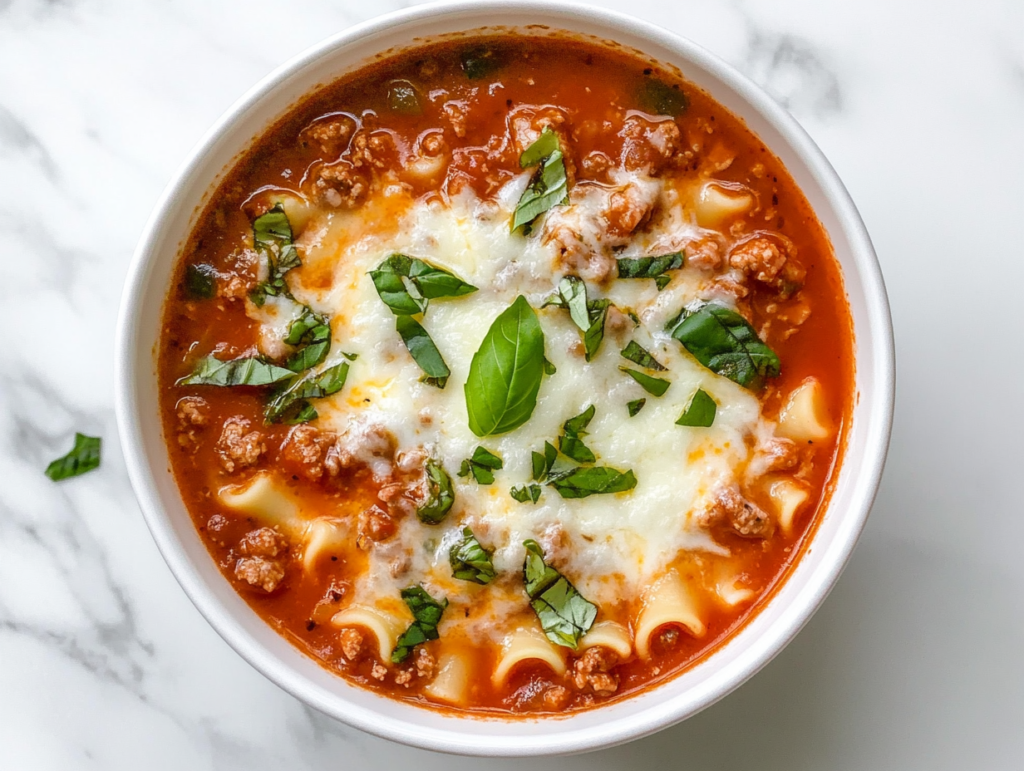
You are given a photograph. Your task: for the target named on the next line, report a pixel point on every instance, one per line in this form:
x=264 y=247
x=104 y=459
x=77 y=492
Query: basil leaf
x=542 y=463
x=588 y=315
x=564 y=614
x=470 y=561
x=635 y=406
x=249 y=371
x=201 y=280
x=659 y=98
x=306 y=413
x=427 y=613
x=549 y=186
x=549 y=368
x=700 y=412
x=403 y=99
x=526 y=493
x=479 y=62
x=423 y=351
x=571 y=441
x=482 y=465
x=505 y=374
x=596 y=480
x=655 y=386
x=313 y=332
x=637 y=354
x=272 y=237
x=405 y=284
x=650 y=267
x=441 y=496
x=83 y=457
x=723 y=341
x=595 y=332
x=291 y=398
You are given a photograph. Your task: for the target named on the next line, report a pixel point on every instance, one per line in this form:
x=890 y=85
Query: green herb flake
x=83 y=457
x=312 y=333
x=482 y=466
x=470 y=561
x=289 y=403
x=655 y=386
x=403 y=99
x=637 y=354
x=480 y=61
x=570 y=443
x=724 y=342
x=651 y=267
x=543 y=462
x=506 y=372
x=565 y=615
x=440 y=495
x=549 y=186
x=272 y=237
x=700 y=412
x=200 y=280
x=423 y=351
x=594 y=480
x=588 y=315
x=426 y=612
x=635 y=406
x=526 y=493
x=248 y=371
x=406 y=284
x=656 y=97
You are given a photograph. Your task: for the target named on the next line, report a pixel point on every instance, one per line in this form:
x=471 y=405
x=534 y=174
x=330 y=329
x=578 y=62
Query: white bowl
x=138 y=418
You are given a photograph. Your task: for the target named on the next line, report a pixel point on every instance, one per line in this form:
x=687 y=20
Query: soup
x=507 y=375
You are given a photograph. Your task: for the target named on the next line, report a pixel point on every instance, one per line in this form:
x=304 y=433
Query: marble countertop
x=915 y=660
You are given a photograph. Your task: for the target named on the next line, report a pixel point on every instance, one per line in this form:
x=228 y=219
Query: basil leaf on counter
x=201 y=280
x=549 y=186
x=506 y=373
x=588 y=315
x=427 y=613
x=635 y=406
x=423 y=351
x=700 y=412
x=441 y=496
x=482 y=466
x=650 y=267
x=526 y=493
x=248 y=371
x=655 y=386
x=723 y=341
x=83 y=457
x=479 y=62
x=637 y=354
x=272 y=237
x=659 y=98
x=565 y=615
x=313 y=332
x=542 y=463
x=571 y=441
x=470 y=561
x=289 y=403
x=406 y=284
x=595 y=480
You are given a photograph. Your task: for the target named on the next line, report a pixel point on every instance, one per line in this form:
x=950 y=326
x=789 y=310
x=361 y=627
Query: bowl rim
x=128 y=366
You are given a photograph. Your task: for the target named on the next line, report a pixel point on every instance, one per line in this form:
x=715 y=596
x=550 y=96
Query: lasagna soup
x=507 y=375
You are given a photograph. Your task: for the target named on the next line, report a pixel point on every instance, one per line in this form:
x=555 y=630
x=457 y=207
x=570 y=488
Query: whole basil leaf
x=655 y=386
x=470 y=561
x=506 y=373
x=423 y=351
x=565 y=615
x=288 y=404
x=440 y=496
x=595 y=480
x=83 y=457
x=700 y=412
x=637 y=354
x=650 y=267
x=426 y=612
x=549 y=186
x=248 y=371
x=723 y=341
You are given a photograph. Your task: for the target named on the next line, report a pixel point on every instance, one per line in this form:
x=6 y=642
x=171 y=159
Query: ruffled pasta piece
x=611 y=635
x=805 y=418
x=788 y=497
x=451 y=685
x=668 y=601
x=382 y=625
x=526 y=644
x=261 y=498
x=716 y=203
x=322 y=536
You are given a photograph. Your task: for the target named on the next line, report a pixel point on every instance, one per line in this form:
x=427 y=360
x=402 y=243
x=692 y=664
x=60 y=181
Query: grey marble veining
x=913 y=663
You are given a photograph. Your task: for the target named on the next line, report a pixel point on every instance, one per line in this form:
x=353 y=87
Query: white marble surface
x=915 y=660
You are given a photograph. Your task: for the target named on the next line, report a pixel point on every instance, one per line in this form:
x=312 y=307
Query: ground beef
x=456 y=113
x=648 y=146
x=777 y=454
x=340 y=185
x=362 y=444
x=193 y=414
x=576 y=256
x=628 y=207
x=304 y=450
x=262 y=542
x=375 y=524
x=263 y=553
x=426 y=664
x=404 y=677
x=556 y=698
x=760 y=257
x=593 y=671
x=379 y=671
x=374 y=150
x=352 y=643
x=238 y=280
x=704 y=254
x=332 y=136
x=260 y=572
x=526 y=122
x=238 y=447
x=740 y=515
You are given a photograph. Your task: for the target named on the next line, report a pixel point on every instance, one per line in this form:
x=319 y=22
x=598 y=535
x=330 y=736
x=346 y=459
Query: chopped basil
x=564 y=614
x=700 y=412
x=723 y=341
x=312 y=332
x=571 y=441
x=549 y=186
x=659 y=98
x=526 y=493
x=635 y=406
x=543 y=462
x=440 y=494
x=637 y=354
x=426 y=612
x=272 y=237
x=83 y=457
x=588 y=315
x=248 y=371
x=549 y=368
x=595 y=480
x=482 y=466
x=289 y=403
x=479 y=62
x=405 y=284
x=655 y=386
x=403 y=99
x=651 y=267
x=470 y=561
x=423 y=351
x=506 y=372
x=200 y=280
